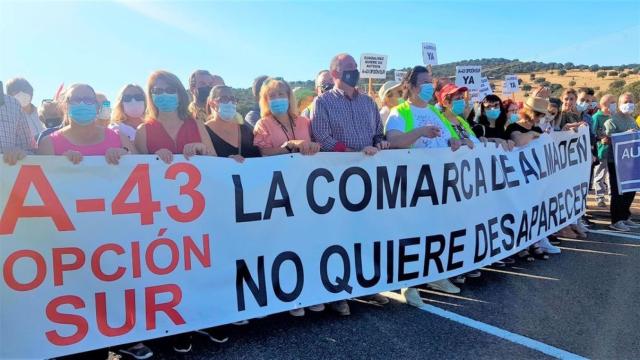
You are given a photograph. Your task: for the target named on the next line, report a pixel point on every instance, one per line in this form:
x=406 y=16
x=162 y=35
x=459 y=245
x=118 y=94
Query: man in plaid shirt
x=15 y=138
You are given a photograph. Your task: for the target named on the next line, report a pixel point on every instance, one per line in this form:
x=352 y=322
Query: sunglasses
x=136 y=97
x=326 y=87
x=86 y=100
x=167 y=90
x=226 y=99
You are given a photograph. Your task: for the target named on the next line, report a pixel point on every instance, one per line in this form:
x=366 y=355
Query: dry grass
x=583 y=78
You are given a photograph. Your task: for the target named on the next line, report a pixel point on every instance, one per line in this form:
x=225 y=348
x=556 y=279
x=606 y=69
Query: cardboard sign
x=399 y=75
x=510 y=85
x=626 y=151
x=429 y=54
x=469 y=76
x=373 y=66
x=485 y=88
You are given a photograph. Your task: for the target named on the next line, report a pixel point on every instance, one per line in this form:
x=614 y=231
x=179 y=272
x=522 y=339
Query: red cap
x=449 y=89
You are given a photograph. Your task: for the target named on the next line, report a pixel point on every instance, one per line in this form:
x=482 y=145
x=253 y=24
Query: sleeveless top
x=62 y=144
x=158 y=138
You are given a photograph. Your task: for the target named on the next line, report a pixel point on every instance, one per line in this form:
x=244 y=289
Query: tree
x=617 y=84
x=540 y=80
x=562 y=72
x=613 y=73
x=601 y=74
x=526 y=87
x=532 y=76
x=623 y=75
x=572 y=83
x=555 y=87
x=569 y=65
x=594 y=67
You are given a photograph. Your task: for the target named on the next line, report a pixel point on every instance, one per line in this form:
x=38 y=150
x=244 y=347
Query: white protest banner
x=399 y=75
x=510 y=85
x=95 y=255
x=373 y=66
x=429 y=54
x=468 y=76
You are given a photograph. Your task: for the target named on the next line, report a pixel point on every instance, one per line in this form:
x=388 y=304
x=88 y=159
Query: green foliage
x=562 y=72
x=617 y=84
x=526 y=87
x=594 y=67
x=601 y=74
x=612 y=73
x=572 y=83
x=623 y=75
x=540 y=80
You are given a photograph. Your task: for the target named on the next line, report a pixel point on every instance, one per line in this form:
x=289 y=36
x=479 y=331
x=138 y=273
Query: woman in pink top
x=281 y=130
x=83 y=136
x=169 y=128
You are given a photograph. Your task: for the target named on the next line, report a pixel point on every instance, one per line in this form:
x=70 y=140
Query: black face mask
x=325 y=87
x=52 y=122
x=203 y=94
x=350 y=77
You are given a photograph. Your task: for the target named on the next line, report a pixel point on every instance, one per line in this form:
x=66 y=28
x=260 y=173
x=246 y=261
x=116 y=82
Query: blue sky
x=108 y=44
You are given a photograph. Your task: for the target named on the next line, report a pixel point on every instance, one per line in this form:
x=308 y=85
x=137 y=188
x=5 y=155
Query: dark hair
x=16 y=85
x=555 y=101
x=587 y=90
x=501 y=121
x=192 y=78
x=411 y=79
x=257 y=85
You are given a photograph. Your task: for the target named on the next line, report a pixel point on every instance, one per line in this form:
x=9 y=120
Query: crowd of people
x=167 y=119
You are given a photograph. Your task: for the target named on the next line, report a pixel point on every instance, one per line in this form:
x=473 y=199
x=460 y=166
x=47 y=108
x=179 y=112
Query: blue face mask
x=426 y=92
x=279 y=106
x=513 y=118
x=165 y=102
x=227 y=111
x=492 y=114
x=457 y=106
x=582 y=106
x=83 y=114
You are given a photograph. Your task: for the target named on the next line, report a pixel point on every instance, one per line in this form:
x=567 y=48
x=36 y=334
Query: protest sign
x=429 y=54
x=468 y=76
x=510 y=85
x=399 y=75
x=373 y=66
x=626 y=150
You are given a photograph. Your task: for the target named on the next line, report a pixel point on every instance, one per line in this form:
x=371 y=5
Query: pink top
x=62 y=144
x=158 y=137
x=269 y=134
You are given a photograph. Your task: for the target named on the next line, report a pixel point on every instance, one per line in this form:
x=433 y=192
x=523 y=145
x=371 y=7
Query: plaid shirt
x=14 y=130
x=338 y=122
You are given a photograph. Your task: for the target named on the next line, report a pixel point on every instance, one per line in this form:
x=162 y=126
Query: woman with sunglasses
x=82 y=136
x=229 y=138
x=169 y=128
x=281 y=130
x=128 y=112
x=491 y=122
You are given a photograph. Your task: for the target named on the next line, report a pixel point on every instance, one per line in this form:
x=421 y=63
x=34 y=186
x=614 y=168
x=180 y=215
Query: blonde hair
x=171 y=80
x=272 y=84
x=626 y=94
x=118 y=115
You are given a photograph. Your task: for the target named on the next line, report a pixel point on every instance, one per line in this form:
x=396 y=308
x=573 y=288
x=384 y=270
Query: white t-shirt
x=128 y=130
x=421 y=117
x=35 y=125
x=384 y=115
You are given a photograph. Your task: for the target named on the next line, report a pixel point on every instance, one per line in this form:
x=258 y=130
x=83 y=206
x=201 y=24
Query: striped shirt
x=338 y=122
x=14 y=130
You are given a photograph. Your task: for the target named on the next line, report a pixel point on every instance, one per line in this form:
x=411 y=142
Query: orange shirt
x=268 y=133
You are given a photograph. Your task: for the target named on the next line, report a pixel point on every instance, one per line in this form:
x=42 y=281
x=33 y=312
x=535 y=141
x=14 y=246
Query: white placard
x=373 y=66
x=429 y=54
x=399 y=75
x=510 y=85
x=469 y=76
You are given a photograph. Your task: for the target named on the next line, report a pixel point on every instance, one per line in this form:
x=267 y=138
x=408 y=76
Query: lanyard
x=284 y=129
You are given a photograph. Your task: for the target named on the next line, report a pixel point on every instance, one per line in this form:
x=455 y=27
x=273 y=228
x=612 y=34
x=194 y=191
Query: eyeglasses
x=226 y=99
x=167 y=90
x=86 y=100
x=136 y=97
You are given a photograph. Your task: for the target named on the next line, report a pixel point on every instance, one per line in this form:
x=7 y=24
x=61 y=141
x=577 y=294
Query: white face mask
x=133 y=109
x=613 y=107
x=23 y=98
x=627 y=108
x=594 y=105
